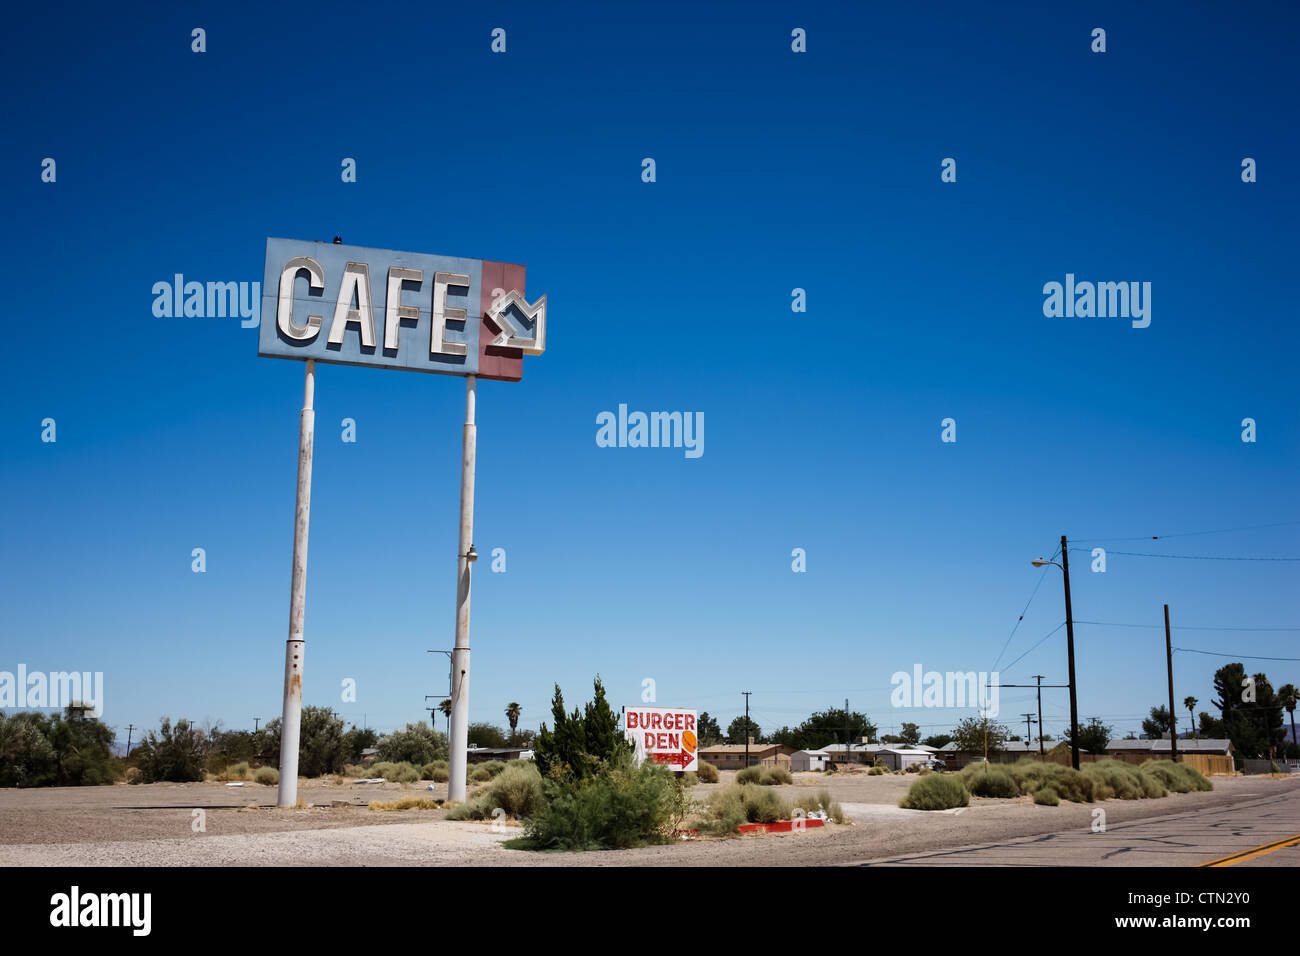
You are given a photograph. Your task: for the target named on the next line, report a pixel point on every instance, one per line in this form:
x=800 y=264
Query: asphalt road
x=1264 y=831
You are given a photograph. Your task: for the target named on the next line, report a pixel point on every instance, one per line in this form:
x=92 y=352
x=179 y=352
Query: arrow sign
x=512 y=333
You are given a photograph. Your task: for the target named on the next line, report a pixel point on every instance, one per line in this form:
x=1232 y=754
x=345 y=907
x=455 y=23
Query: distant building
x=732 y=756
x=809 y=760
x=484 y=754
x=900 y=757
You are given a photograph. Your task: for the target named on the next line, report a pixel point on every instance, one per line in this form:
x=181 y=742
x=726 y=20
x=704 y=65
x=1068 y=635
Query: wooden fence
x=1206 y=764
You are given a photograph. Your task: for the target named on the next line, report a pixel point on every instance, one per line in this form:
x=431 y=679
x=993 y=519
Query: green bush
x=235 y=771
x=516 y=790
x=707 y=772
x=989 y=780
x=1047 y=796
x=479 y=773
x=822 y=801
x=395 y=772
x=173 y=753
x=876 y=771
x=764 y=775
x=747 y=803
x=322 y=748
x=436 y=770
x=690 y=779
x=1033 y=775
x=616 y=807
x=939 y=791
x=267 y=776
x=1178 y=777
x=1114 y=778
x=417 y=744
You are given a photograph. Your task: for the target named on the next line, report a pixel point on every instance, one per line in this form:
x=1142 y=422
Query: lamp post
x=1069 y=641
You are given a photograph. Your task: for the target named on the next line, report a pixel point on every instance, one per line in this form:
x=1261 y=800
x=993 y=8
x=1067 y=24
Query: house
x=484 y=754
x=1160 y=748
x=900 y=757
x=732 y=756
x=809 y=760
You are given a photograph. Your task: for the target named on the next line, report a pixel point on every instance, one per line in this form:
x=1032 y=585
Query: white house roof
x=1216 y=745
x=905 y=751
x=814 y=753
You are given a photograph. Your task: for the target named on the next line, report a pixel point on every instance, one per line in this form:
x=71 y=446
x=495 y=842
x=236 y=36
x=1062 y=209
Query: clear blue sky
x=775 y=170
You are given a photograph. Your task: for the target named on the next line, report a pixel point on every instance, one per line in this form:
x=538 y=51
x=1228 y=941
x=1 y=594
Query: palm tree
x=1190 y=703
x=513 y=711
x=1288 y=696
x=445 y=707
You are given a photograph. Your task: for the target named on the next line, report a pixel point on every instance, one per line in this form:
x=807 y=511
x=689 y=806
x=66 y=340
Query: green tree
x=358 y=739
x=1094 y=736
x=827 y=727
x=1288 y=696
x=445 y=708
x=743 y=727
x=582 y=742
x=1190 y=703
x=1158 y=724
x=976 y=734
x=1253 y=726
x=938 y=741
x=707 y=730
x=64 y=750
x=1211 y=726
x=513 y=710
x=417 y=743
x=911 y=734
x=174 y=753
x=485 y=735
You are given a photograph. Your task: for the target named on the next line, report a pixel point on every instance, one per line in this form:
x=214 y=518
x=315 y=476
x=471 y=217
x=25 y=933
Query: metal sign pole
x=294 y=646
x=459 y=730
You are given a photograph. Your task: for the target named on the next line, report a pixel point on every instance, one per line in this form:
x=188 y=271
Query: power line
x=1040 y=641
x=1249 y=657
x=1015 y=627
x=1186 y=557
x=1186 y=627
x=1188 y=534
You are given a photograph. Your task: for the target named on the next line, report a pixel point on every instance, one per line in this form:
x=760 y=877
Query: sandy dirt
x=154 y=825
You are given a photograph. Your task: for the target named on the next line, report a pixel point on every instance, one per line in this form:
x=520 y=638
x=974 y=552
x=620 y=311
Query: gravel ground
x=152 y=825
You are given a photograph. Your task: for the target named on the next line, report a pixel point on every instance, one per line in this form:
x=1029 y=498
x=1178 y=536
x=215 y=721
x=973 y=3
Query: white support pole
x=459 y=731
x=294 y=648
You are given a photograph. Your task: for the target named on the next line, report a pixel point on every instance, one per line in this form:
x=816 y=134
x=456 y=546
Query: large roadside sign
x=666 y=735
x=352 y=305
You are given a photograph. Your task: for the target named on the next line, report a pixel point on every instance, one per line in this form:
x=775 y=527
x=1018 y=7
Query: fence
x=1206 y=764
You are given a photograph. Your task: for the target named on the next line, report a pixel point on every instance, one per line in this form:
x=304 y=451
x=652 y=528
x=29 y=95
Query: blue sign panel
x=356 y=306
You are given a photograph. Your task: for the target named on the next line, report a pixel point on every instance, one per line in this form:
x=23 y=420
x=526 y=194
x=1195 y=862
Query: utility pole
x=1029 y=734
x=129 y=728
x=1169 y=664
x=848 y=745
x=256 y=721
x=746 y=693
x=1039 y=678
x=1069 y=638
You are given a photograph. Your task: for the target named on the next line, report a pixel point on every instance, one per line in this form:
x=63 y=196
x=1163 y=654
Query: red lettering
x=631 y=720
x=649 y=741
x=690 y=721
x=674 y=741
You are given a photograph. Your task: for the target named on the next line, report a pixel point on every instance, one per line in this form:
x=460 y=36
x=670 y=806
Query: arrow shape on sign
x=512 y=335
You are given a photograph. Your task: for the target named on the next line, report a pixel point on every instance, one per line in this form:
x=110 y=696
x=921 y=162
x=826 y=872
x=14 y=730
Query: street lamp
x=1069 y=640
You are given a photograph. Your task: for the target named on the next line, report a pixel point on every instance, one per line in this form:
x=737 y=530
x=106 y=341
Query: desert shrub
x=406 y=803
x=708 y=773
x=1178 y=777
x=267 y=776
x=234 y=771
x=876 y=771
x=494 y=767
x=356 y=771
x=822 y=801
x=435 y=770
x=935 y=792
x=520 y=762
x=172 y=753
x=765 y=776
x=395 y=772
x=690 y=779
x=516 y=790
x=1070 y=784
x=1118 y=779
x=479 y=773
x=1047 y=796
x=988 y=780
x=913 y=768
x=133 y=775
x=746 y=803
x=417 y=744
x=618 y=806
